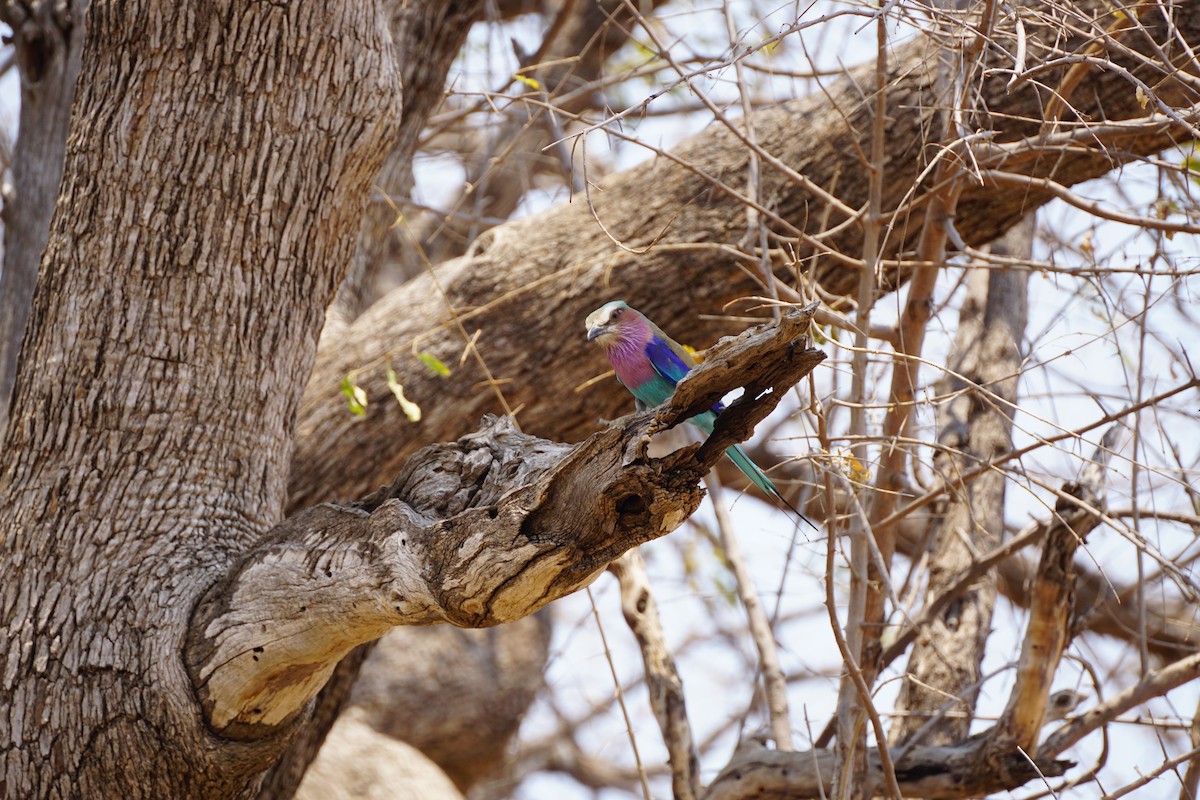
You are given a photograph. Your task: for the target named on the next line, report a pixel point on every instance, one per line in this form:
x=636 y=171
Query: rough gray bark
x=48 y=36
x=973 y=428
x=434 y=30
x=528 y=284
x=154 y=407
x=477 y=533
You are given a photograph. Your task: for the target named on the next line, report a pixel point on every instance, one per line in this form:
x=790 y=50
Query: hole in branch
x=631 y=504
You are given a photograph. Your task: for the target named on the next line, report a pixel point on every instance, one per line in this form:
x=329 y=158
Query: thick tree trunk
x=174 y=320
x=435 y=30
x=49 y=38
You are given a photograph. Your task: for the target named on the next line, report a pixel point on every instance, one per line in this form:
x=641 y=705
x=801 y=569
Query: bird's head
x=610 y=323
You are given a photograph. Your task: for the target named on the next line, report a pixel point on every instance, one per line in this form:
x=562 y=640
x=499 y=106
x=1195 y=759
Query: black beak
x=594 y=332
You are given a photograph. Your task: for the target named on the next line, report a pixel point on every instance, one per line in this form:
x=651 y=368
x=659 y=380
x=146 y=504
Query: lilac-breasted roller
x=649 y=363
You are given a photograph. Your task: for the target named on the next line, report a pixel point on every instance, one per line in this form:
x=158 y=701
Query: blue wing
x=667 y=362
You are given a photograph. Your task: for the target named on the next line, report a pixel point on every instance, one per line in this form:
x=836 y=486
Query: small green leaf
x=356 y=397
x=528 y=81
x=1192 y=165
x=726 y=591
x=434 y=364
x=410 y=409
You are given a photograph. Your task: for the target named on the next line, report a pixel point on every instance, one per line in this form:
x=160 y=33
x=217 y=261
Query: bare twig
x=620 y=695
x=774 y=683
x=662 y=678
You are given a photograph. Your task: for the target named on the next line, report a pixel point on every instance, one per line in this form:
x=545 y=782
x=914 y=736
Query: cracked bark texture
x=153 y=410
x=127 y=398
x=436 y=30
x=476 y=533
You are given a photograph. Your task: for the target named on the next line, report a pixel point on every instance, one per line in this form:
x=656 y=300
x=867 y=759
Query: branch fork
x=476 y=533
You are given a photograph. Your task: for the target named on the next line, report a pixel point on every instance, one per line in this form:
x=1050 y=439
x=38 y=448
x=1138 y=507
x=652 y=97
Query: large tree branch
x=476 y=533
x=934 y=772
x=426 y=36
x=526 y=285
x=167 y=449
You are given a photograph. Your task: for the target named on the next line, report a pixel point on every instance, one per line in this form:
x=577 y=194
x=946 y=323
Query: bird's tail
x=759 y=478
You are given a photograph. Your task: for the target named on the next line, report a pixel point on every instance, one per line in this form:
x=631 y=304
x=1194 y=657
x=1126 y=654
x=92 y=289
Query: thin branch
x=1154 y=684
x=612 y=668
x=662 y=678
x=774 y=683
x=996 y=178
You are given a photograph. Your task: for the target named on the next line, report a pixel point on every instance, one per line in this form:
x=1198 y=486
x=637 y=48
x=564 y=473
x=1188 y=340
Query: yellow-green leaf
x=643 y=50
x=726 y=590
x=1192 y=165
x=532 y=83
x=434 y=364
x=356 y=397
x=1142 y=98
x=410 y=409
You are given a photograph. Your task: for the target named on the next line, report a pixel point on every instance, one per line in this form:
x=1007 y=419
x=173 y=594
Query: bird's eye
x=616 y=312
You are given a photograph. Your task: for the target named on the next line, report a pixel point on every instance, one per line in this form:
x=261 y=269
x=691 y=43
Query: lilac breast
x=631 y=364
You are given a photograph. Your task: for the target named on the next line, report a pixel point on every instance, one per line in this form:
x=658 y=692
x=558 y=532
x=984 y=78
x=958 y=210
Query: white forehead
x=602 y=314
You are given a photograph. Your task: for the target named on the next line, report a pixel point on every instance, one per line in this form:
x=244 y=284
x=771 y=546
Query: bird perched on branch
x=649 y=363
